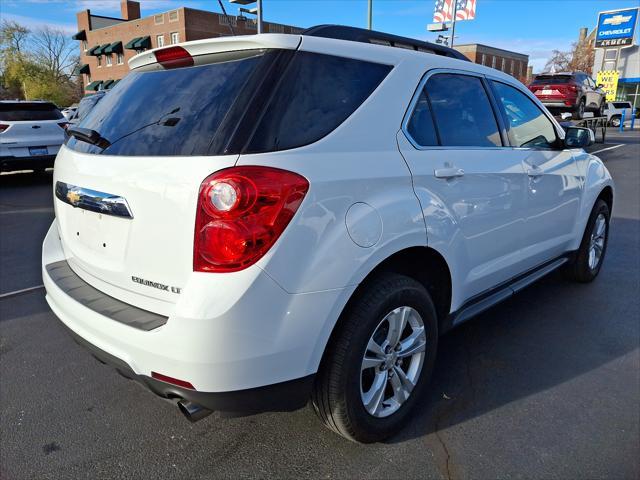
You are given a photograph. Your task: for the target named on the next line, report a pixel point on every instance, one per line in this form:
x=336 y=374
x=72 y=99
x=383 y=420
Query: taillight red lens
x=241 y=212
x=174 y=57
x=3 y=127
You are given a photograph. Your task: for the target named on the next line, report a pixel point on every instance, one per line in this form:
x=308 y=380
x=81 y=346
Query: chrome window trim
x=430 y=73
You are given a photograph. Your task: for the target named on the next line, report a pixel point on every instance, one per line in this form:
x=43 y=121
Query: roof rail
x=355 y=34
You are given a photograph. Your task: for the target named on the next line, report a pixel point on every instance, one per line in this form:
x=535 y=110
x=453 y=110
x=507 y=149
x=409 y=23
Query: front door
x=553 y=187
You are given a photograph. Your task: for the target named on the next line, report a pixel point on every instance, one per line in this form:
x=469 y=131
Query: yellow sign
x=609 y=81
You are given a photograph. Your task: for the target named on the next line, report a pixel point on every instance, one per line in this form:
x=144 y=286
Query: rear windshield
x=548 y=79
x=24 y=111
x=258 y=101
x=86 y=104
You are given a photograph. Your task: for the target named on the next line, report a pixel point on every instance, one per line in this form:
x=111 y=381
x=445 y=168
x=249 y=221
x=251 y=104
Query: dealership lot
x=545 y=385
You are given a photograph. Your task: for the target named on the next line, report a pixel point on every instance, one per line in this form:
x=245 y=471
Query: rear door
x=553 y=186
x=453 y=145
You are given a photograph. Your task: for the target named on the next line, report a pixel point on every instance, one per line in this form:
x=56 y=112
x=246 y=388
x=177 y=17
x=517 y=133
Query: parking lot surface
x=546 y=385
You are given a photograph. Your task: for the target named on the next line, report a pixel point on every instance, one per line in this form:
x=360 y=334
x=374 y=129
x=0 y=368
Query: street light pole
x=259 y=16
x=453 y=22
x=370 y=14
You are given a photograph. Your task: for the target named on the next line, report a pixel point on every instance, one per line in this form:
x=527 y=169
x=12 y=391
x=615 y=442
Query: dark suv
x=570 y=91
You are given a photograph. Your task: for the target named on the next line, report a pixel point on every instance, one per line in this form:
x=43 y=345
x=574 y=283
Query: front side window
x=527 y=126
x=462 y=111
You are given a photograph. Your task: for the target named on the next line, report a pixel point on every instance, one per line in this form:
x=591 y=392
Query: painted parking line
x=18 y=292
x=608 y=148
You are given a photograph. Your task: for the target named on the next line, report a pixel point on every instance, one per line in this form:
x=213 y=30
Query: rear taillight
x=3 y=127
x=174 y=57
x=241 y=213
x=171 y=380
x=63 y=125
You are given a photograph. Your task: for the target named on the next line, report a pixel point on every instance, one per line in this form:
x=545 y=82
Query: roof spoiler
x=361 y=35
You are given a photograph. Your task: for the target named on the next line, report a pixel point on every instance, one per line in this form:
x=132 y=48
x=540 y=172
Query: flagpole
x=453 y=22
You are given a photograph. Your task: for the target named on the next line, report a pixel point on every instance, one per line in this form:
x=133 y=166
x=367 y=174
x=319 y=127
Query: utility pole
x=254 y=11
x=259 y=15
x=453 y=22
x=370 y=14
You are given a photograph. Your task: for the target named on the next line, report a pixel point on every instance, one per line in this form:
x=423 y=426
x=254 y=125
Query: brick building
x=107 y=43
x=513 y=63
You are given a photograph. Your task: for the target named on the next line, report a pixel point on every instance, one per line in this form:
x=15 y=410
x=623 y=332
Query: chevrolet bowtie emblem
x=616 y=20
x=73 y=196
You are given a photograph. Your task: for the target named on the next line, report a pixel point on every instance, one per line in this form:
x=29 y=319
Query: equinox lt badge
x=159 y=286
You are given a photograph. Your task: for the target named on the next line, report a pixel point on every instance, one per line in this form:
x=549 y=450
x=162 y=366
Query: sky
x=532 y=27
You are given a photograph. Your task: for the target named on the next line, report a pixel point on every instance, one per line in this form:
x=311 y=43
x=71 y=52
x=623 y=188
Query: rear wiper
x=89 y=136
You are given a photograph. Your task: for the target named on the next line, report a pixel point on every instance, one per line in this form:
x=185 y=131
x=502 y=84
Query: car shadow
x=548 y=334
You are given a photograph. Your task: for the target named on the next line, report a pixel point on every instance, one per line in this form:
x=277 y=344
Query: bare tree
x=559 y=62
x=13 y=37
x=582 y=56
x=55 y=51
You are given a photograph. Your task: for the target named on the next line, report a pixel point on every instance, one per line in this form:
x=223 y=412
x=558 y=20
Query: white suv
x=247 y=224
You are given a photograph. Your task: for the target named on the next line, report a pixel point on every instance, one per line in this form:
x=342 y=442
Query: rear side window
x=462 y=111
x=420 y=125
x=249 y=101
x=316 y=94
x=24 y=111
x=527 y=125
x=622 y=104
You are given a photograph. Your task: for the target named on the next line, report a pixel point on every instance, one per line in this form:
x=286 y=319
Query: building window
x=85 y=45
x=109 y=60
x=99 y=60
x=160 y=40
x=227 y=20
x=119 y=58
x=504 y=63
x=175 y=37
x=173 y=16
x=609 y=66
x=493 y=62
x=158 y=19
x=482 y=59
x=88 y=77
x=512 y=69
x=610 y=54
x=275 y=28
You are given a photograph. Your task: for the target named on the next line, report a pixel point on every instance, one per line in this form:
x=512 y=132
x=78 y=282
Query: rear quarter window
x=23 y=111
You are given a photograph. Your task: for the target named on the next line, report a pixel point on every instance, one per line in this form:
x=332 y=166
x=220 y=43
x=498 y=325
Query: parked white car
x=615 y=110
x=306 y=226
x=31 y=134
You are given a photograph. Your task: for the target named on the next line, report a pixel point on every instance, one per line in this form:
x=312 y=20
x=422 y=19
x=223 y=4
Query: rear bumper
x=280 y=397
x=12 y=164
x=258 y=353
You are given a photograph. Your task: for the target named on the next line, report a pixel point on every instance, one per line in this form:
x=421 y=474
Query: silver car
x=31 y=134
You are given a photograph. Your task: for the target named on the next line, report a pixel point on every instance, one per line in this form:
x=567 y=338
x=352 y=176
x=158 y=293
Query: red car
x=575 y=92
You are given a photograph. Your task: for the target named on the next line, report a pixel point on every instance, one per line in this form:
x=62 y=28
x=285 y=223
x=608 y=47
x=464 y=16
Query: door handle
x=449 y=172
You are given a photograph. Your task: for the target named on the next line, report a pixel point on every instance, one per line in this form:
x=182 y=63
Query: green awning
x=131 y=42
x=81 y=35
x=94 y=85
x=106 y=84
x=101 y=49
x=144 y=42
x=82 y=68
x=92 y=50
x=115 y=47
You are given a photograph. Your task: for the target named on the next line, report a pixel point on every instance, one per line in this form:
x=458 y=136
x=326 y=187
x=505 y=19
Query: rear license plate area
x=35 y=151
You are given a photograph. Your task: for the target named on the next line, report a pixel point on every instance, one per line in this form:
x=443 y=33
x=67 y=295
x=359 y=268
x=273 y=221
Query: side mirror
x=566 y=116
x=578 y=137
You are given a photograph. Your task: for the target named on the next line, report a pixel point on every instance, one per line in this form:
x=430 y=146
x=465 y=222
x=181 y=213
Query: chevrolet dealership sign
x=616 y=28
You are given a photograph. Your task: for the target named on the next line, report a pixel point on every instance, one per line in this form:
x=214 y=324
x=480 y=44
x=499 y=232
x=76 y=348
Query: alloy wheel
x=392 y=361
x=597 y=241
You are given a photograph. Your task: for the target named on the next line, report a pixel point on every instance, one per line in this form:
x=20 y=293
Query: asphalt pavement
x=545 y=385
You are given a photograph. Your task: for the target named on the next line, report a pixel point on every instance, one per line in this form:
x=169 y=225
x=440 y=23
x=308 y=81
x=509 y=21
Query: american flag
x=466 y=10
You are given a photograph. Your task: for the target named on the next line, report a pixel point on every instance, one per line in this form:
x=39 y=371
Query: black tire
x=578 y=269
x=579 y=110
x=615 y=121
x=336 y=396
